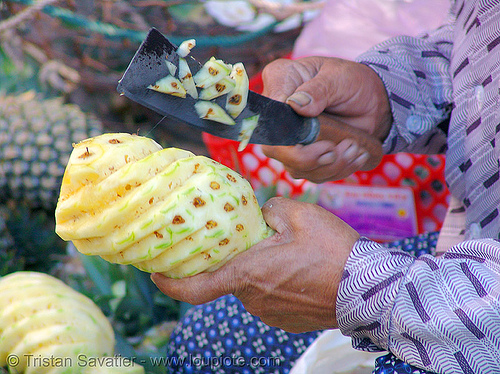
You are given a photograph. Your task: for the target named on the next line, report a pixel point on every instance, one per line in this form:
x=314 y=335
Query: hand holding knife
x=278 y=124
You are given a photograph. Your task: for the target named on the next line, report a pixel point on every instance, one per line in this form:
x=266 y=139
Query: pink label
x=379 y=213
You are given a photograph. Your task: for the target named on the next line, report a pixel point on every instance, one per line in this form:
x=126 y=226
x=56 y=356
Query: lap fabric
x=221 y=337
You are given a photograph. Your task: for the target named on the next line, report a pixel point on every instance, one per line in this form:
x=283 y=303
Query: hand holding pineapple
x=129 y=201
x=289 y=280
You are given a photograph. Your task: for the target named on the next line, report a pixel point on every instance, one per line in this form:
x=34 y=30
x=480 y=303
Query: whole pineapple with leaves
x=35 y=144
x=128 y=200
x=43 y=318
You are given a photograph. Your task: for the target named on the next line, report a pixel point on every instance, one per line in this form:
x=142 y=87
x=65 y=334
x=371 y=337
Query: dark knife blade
x=278 y=123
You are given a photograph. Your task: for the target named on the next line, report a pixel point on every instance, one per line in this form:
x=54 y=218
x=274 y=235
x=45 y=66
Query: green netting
x=115 y=32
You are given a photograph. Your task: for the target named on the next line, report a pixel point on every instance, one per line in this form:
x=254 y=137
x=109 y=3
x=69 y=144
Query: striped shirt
x=439 y=313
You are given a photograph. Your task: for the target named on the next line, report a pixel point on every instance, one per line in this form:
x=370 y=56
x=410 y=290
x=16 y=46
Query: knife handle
x=336 y=131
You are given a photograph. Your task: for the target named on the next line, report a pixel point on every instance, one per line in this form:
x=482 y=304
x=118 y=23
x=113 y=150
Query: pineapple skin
x=42 y=317
x=35 y=143
x=161 y=210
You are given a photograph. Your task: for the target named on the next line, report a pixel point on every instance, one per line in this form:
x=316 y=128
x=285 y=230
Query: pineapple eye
x=231 y=178
x=85 y=154
x=213 y=71
x=210 y=224
x=224 y=242
x=198 y=202
x=214 y=185
x=158 y=235
x=114 y=141
x=235 y=99
x=240 y=227
x=228 y=207
x=178 y=220
x=220 y=87
x=244 y=200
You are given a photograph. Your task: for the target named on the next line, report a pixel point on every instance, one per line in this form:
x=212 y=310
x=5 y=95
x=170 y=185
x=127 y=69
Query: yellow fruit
x=161 y=210
x=43 y=320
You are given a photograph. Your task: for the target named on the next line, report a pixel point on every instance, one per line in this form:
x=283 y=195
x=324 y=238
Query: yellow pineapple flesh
x=129 y=201
x=42 y=317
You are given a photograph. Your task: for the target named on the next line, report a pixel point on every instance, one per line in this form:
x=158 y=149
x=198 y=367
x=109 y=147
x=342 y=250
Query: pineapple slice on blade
x=161 y=210
x=41 y=317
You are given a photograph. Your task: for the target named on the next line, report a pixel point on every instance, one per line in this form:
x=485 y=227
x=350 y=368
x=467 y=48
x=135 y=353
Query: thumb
x=305 y=84
x=197 y=289
x=279 y=213
x=310 y=99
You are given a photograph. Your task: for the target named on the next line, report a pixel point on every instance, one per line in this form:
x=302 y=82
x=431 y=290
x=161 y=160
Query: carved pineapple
x=129 y=201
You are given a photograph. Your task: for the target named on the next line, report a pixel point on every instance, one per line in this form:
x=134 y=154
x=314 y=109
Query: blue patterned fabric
x=222 y=337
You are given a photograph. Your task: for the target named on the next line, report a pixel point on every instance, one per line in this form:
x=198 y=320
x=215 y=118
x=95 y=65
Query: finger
x=277 y=85
x=315 y=94
x=347 y=159
x=198 y=289
x=303 y=157
x=279 y=212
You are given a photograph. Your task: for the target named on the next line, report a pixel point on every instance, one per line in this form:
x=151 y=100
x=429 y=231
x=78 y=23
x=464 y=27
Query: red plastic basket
x=423 y=174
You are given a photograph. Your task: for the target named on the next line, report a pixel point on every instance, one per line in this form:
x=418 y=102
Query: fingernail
x=300 y=98
x=327 y=158
x=362 y=159
x=351 y=152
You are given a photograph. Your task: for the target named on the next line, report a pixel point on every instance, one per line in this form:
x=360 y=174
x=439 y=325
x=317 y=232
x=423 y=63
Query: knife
x=278 y=123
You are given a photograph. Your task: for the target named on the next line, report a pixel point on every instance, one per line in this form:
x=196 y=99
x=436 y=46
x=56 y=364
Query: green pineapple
x=35 y=144
x=128 y=200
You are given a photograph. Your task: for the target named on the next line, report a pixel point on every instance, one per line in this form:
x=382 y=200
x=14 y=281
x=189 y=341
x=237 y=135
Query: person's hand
x=339 y=151
x=351 y=93
x=290 y=280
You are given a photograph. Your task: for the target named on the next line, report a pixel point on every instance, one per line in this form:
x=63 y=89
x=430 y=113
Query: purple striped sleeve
x=414 y=72
x=439 y=314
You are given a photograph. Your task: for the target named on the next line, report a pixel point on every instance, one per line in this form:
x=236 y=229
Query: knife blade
x=278 y=123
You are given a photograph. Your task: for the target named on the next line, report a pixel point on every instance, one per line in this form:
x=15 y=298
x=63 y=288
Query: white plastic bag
x=346 y=28
x=332 y=353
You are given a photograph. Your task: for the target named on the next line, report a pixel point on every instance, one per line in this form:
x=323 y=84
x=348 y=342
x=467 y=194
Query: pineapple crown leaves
x=35 y=245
